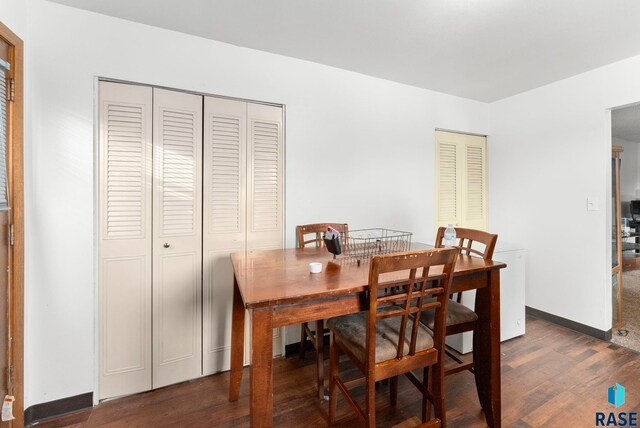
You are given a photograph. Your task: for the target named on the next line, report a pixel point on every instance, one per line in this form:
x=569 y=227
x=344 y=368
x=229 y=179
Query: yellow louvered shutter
x=475 y=212
x=461 y=183
x=447 y=184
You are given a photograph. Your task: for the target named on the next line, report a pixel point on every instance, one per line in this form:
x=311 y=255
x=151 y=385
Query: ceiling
x=479 y=49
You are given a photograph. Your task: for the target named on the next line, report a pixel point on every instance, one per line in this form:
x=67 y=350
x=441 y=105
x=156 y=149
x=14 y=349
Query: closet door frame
x=279 y=336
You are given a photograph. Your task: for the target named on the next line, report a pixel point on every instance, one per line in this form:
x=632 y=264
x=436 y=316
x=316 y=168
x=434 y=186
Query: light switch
x=593 y=204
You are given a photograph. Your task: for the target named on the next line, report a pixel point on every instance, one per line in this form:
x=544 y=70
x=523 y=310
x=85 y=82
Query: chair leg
x=303 y=339
x=426 y=404
x=334 y=358
x=370 y=405
x=393 y=390
x=437 y=384
x=319 y=336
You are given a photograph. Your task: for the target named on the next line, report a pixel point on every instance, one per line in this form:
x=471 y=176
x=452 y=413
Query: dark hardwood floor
x=551 y=377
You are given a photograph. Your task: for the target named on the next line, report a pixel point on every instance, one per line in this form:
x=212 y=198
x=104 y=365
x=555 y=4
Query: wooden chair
x=306 y=235
x=460 y=318
x=388 y=340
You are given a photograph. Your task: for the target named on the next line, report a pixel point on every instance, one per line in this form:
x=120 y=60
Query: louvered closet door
x=243 y=199
x=475 y=183
x=461 y=183
x=265 y=200
x=265 y=186
x=125 y=235
x=447 y=180
x=224 y=221
x=177 y=243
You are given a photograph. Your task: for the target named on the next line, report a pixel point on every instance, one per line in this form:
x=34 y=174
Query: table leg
x=320 y=357
x=237 y=343
x=486 y=348
x=261 y=372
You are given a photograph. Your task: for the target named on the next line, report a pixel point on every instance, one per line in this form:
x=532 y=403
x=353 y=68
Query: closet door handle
x=166 y=245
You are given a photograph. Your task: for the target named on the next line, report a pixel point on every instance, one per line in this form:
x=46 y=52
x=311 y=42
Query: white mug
x=315 y=267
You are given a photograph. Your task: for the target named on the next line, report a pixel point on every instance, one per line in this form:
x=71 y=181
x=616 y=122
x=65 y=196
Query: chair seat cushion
x=457 y=313
x=351 y=330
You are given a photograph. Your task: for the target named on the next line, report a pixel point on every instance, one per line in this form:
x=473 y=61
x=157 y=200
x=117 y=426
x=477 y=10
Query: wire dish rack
x=362 y=244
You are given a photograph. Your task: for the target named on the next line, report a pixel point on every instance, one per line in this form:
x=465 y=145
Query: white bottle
x=449 y=236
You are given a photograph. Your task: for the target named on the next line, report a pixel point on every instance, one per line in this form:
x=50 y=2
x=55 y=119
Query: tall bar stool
x=460 y=318
x=308 y=235
x=388 y=340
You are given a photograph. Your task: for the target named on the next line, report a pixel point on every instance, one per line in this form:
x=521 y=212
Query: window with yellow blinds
x=461 y=180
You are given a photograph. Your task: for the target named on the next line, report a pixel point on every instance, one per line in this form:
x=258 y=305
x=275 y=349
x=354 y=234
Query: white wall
x=549 y=149
x=13 y=14
x=379 y=133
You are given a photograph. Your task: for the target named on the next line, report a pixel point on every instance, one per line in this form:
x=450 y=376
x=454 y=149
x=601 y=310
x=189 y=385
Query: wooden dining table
x=278 y=290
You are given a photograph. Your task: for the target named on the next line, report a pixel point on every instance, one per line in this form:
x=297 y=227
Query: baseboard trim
x=63 y=406
x=573 y=325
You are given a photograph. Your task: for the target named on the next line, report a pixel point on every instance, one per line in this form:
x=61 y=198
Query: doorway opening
x=625 y=124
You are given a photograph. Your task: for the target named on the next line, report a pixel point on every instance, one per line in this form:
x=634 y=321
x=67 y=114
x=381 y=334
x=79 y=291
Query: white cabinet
x=512 y=298
x=512 y=292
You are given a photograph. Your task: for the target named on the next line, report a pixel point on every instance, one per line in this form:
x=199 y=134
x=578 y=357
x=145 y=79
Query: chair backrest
x=316 y=230
x=398 y=287
x=466 y=239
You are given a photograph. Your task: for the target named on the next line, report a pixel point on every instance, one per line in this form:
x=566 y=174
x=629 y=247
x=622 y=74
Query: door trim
x=15 y=173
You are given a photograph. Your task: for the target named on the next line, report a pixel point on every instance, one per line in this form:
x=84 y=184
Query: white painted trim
x=96 y=240
x=188 y=91
x=608 y=284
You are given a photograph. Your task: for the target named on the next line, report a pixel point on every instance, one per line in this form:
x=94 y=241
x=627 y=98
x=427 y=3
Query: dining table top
x=281 y=276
